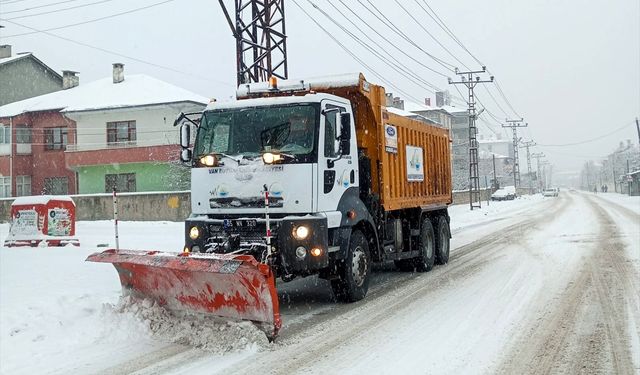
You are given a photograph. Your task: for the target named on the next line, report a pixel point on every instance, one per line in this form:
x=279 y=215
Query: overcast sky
x=571 y=68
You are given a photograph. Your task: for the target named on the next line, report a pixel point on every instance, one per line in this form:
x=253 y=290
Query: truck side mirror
x=185 y=135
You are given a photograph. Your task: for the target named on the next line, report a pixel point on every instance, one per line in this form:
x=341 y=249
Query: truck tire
x=443 y=236
x=424 y=262
x=354 y=273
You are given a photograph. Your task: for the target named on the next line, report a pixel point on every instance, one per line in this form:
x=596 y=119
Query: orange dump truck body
x=391 y=167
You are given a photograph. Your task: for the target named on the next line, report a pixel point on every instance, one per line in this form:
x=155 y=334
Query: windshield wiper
x=275 y=135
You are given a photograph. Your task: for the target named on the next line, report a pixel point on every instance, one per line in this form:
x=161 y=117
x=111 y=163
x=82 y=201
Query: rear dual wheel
x=434 y=245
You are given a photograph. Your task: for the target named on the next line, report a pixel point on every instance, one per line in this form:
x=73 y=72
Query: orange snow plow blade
x=230 y=286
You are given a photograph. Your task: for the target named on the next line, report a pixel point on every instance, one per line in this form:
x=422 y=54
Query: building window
x=23 y=135
x=5 y=134
x=55 y=139
x=5 y=187
x=124 y=182
x=56 y=186
x=121 y=131
x=23 y=185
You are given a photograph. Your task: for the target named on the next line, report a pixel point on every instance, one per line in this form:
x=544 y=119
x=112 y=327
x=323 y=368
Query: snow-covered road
x=533 y=286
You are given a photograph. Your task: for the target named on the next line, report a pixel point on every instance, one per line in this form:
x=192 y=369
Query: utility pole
x=514 y=125
x=638 y=129
x=527 y=145
x=470 y=79
x=495 y=182
x=537 y=156
x=261 y=41
x=544 y=172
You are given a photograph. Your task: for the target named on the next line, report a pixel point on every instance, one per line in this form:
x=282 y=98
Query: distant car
x=550 y=192
x=503 y=194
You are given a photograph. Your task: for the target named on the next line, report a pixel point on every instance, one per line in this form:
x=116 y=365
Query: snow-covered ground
x=60 y=314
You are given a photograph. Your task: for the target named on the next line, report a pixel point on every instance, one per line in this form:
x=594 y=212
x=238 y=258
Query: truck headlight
x=194 y=233
x=208 y=161
x=301 y=232
x=270 y=158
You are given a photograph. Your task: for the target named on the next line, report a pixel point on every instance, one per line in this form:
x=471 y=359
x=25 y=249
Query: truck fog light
x=301 y=232
x=194 y=233
x=301 y=252
x=195 y=249
x=316 y=252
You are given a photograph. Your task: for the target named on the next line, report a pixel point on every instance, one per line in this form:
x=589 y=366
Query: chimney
x=118 y=72
x=427 y=101
x=69 y=79
x=5 y=51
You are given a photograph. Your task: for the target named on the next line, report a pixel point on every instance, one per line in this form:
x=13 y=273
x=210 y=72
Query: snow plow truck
x=298 y=178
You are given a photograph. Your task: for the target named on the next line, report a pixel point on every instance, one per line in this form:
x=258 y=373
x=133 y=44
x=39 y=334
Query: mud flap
x=230 y=286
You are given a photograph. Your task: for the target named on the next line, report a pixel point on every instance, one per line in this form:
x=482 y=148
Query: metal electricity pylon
x=527 y=145
x=261 y=41
x=514 y=125
x=470 y=80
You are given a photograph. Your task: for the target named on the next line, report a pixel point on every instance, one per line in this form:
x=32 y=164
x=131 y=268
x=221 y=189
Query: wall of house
x=154 y=125
x=171 y=206
x=26 y=78
x=40 y=163
x=149 y=176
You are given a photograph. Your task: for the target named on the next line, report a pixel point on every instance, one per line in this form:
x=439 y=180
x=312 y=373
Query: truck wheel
x=354 y=273
x=443 y=236
x=424 y=262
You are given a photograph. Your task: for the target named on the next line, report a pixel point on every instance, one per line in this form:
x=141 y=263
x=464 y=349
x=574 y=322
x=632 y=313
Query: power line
x=429 y=33
x=415 y=75
x=39 y=6
x=444 y=26
x=399 y=32
x=588 y=140
x=505 y=98
x=119 y=54
x=373 y=50
x=88 y=21
x=495 y=101
x=354 y=56
x=57 y=10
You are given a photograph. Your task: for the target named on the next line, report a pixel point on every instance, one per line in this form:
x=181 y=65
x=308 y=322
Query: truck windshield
x=249 y=132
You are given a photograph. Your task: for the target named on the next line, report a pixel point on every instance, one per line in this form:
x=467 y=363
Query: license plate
x=241 y=225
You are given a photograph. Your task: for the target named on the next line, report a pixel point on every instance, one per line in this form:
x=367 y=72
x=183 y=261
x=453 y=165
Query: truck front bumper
x=294 y=255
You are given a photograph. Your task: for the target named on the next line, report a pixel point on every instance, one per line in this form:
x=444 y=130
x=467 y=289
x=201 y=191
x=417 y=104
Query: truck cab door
x=337 y=169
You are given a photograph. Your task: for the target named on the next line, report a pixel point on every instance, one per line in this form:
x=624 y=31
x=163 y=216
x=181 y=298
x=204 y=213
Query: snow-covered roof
x=493 y=140
x=6 y=60
x=136 y=90
x=418 y=107
x=402 y=112
x=20 y=56
x=41 y=199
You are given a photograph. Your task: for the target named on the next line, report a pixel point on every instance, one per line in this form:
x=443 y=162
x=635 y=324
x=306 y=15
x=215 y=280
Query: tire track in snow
x=351 y=322
x=464 y=261
x=585 y=330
